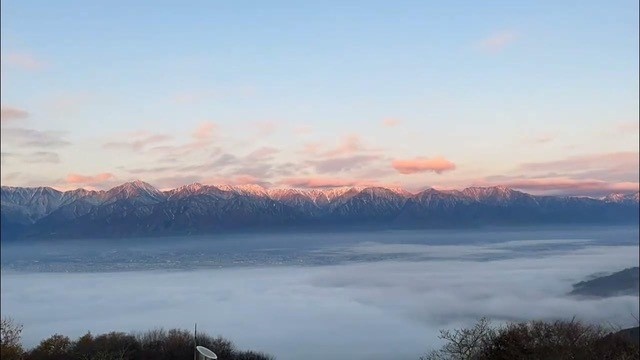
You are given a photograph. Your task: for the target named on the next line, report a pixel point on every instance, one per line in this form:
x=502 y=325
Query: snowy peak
x=247 y=190
x=494 y=192
x=139 y=208
x=622 y=198
x=282 y=194
x=135 y=190
x=185 y=190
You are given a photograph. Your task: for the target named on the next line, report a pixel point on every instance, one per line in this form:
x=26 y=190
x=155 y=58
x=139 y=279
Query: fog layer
x=389 y=308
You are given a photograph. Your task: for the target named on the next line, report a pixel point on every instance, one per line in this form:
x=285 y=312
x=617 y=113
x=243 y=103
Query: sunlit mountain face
x=137 y=208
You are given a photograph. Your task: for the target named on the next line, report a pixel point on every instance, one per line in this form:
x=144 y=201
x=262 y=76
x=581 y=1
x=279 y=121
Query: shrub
x=10 y=348
x=157 y=344
x=56 y=347
x=556 y=340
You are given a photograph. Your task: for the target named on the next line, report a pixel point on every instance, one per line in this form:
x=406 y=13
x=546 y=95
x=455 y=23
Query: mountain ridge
x=138 y=208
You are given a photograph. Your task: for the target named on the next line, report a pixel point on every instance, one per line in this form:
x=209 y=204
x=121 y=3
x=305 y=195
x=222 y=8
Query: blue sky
x=541 y=96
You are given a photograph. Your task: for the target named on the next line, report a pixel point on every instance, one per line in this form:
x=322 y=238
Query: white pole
x=195 y=340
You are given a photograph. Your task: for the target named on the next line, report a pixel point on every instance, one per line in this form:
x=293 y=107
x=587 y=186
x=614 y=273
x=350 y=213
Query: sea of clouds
x=392 y=308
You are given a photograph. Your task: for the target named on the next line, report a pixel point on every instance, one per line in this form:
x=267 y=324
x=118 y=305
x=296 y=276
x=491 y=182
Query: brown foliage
x=535 y=340
x=10 y=348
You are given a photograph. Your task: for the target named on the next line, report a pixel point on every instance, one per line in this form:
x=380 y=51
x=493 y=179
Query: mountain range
x=138 y=209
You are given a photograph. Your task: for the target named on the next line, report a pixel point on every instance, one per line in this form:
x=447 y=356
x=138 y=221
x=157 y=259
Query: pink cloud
x=417 y=165
x=325 y=182
x=89 y=179
x=204 y=131
x=24 y=61
x=564 y=185
x=8 y=113
x=311 y=148
x=139 y=141
x=619 y=160
x=498 y=42
x=235 y=180
x=348 y=145
x=329 y=182
x=263 y=153
x=390 y=122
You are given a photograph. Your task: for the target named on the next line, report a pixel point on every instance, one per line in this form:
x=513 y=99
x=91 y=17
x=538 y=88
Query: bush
x=57 y=347
x=10 y=348
x=538 y=340
x=157 y=344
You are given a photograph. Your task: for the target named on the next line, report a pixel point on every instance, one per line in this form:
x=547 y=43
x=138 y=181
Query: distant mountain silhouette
x=625 y=282
x=137 y=208
x=633 y=334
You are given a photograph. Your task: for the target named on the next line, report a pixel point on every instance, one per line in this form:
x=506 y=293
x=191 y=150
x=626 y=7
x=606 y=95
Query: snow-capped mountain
x=621 y=198
x=137 y=208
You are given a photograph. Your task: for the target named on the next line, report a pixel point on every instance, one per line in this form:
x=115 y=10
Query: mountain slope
x=137 y=208
x=625 y=282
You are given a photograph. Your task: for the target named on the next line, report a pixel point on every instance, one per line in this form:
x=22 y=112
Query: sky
x=539 y=96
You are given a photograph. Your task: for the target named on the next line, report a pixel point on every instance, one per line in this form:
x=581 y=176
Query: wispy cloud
x=498 y=41
x=421 y=164
x=390 y=122
x=236 y=180
x=138 y=141
x=23 y=61
x=339 y=164
x=540 y=138
x=325 y=182
x=9 y=113
x=263 y=153
x=89 y=179
x=34 y=138
x=626 y=160
x=151 y=170
x=37 y=157
x=570 y=186
x=349 y=144
x=205 y=131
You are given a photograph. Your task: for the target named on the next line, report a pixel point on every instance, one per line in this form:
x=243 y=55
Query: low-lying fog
x=316 y=296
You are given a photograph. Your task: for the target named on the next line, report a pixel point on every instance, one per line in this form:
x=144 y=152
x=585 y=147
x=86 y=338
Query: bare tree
x=10 y=333
x=543 y=340
x=463 y=344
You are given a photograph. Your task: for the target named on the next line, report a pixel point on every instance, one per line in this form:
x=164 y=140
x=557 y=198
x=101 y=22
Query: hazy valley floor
x=374 y=295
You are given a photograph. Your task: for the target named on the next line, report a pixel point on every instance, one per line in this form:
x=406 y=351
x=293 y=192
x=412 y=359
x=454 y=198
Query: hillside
x=625 y=282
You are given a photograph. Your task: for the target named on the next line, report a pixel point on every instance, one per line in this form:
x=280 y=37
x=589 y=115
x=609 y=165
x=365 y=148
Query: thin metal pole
x=195 y=340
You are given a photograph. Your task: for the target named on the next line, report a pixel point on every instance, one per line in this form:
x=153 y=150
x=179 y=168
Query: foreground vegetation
x=539 y=340
x=159 y=344
x=533 y=340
